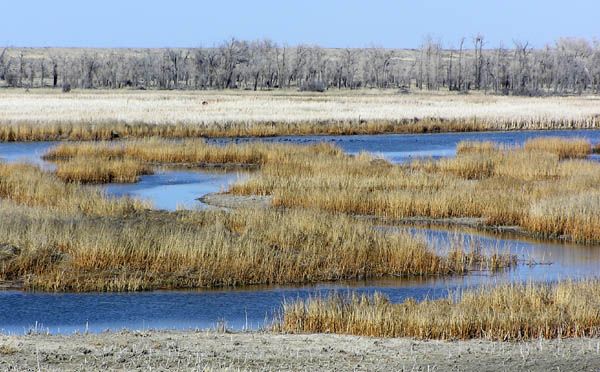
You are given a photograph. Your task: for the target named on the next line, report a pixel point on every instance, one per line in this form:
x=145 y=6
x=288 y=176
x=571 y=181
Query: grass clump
x=191 y=152
x=506 y=312
x=565 y=149
x=478 y=147
x=88 y=170
x=28 y=185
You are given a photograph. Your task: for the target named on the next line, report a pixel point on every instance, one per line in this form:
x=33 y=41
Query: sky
x=329 y=23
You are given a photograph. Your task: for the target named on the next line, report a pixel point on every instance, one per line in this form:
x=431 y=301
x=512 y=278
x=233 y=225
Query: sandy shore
x=171 y=350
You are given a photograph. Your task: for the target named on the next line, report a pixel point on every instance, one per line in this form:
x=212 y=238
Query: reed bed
x=565 y=149
x=94 y=170
x=504 y=186
x=60 y=236
x=75 y=131
x=212 y=249
x=47 y=115
x=506 y=312
x=28 y=185
x=191 y=151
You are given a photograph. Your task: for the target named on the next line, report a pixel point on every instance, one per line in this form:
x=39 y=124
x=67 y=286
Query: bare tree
x=568 y=66
x=478 y=42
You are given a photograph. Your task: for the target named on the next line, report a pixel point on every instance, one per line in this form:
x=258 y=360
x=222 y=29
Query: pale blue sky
x=333 y=23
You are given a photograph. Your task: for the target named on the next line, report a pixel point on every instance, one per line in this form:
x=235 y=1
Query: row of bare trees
x=569 y=66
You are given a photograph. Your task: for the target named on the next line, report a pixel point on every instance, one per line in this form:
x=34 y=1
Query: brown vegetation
x=192 y=152
x=565 y=149
x=520 y=186
x=86 y=132
x=28 y=185
x=69 y=237
x=525 y=186
x=506 y=312
x=207 y=249
x=94 y=170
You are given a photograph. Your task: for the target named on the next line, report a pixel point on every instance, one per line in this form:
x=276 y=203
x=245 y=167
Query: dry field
x=87 y=115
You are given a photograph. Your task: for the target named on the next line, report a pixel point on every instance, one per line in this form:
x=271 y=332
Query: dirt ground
x=170 y=350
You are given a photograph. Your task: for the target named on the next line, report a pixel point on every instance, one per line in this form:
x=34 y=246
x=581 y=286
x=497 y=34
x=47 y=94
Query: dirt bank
x=259 y=351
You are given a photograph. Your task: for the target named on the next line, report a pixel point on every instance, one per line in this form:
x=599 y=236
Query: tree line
x=568 y=66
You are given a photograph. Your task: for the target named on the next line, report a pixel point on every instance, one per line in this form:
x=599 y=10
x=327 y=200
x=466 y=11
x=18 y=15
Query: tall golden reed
x=508 y=312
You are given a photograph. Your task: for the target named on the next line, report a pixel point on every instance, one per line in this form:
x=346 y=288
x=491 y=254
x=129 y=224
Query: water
x=254 y=307
x=167 y=189
x=403 y=147
x=171 y=189
x=29 y=152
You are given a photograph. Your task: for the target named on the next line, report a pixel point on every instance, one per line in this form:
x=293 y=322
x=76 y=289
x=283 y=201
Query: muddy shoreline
x=211 y=350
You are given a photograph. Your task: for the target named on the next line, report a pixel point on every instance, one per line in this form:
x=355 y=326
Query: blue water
x=252 y=308
x=173 y=189
x=255 y=307
x=167 y=189
x=402 y=147
x=27 y=152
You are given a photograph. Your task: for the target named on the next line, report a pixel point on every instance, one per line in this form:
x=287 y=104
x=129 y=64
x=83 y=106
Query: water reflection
x=403 y=147
x=171 y=189
x=255 y=306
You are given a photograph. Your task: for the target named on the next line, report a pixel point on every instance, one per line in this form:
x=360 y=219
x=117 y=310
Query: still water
x=255 y=307
x=403 y=147
x=167 y=189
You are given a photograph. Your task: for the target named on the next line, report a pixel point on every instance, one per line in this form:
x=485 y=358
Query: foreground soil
x=262 y=351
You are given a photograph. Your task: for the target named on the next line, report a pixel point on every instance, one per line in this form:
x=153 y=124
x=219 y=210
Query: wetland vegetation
x=61 y=235
x=505 y=313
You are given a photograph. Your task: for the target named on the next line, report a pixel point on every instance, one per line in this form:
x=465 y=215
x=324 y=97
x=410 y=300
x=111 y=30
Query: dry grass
x=208 y=249
x=505 y=186
x=94 y=170
x=506 y=312
x=25 y=131
x=28 y=185
x=565 y=149
x=70 y=237
x=47 y=115
x=502 y=185
x=477 y=147
x=192 y=152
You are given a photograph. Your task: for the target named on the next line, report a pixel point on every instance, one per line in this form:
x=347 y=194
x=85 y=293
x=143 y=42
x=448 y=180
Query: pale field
x=224 y=107
x=212 y=351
